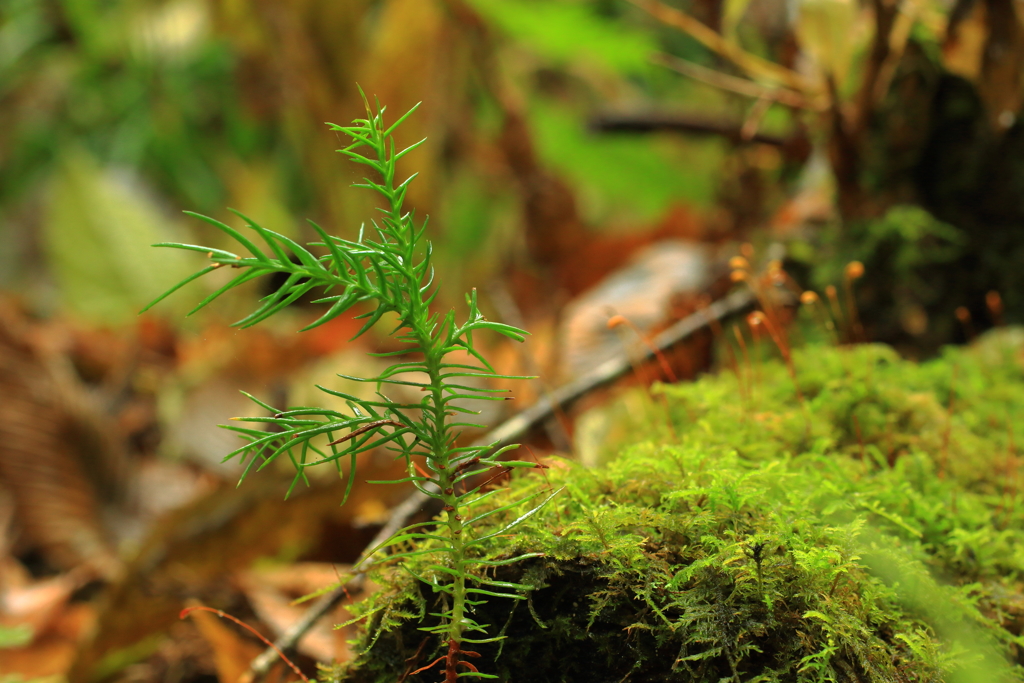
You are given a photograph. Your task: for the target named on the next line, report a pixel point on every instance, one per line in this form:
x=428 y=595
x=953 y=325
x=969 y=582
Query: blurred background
x=584 y=159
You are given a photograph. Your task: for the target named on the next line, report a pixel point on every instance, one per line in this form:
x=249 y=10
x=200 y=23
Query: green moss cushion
x=867 y=532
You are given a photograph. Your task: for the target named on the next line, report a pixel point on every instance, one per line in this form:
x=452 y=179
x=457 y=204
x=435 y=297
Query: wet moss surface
x=864 y=533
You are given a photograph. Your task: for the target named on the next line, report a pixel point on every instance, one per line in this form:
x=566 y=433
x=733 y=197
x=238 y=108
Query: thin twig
x=714 y=41
x=505 y=434
x=647 y=122
x=399 y=518
x=754 y=118
x=735 y=84
x=614 y=368
x=224 y=615
x=508 y=310
x=907 y=16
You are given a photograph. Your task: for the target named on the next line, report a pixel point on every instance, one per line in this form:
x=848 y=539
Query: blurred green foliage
x=623 y=176
x=567 y=33
x=140 y=85
x=913 y=280
x=97 y=235
x=112 y=114
x=200 y=105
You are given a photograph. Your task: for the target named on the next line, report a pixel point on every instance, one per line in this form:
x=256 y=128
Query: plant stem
x=440 y=448
x=446 y=473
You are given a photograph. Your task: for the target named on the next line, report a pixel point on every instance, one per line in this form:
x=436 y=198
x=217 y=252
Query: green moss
x=765 y=539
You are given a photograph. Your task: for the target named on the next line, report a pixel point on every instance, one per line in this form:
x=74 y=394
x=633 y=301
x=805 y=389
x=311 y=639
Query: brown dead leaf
x=42 y=607
x=59 y=453
x=33 y=603
x=965 y=43
x=231 y=653
x=54 y=644
x=985 y=44
x=194 y=550
x=272 y=594
x=48 y=656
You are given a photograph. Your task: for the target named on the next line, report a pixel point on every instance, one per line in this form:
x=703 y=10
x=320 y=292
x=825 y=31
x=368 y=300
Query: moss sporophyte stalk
x=388 y=268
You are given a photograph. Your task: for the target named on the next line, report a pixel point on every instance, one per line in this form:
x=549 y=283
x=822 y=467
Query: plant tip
x=738 y=263
x=854 y=270
x=808 y=298
x=994 y=302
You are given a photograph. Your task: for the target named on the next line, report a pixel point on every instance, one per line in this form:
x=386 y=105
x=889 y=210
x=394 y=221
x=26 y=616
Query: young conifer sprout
x=388 y=269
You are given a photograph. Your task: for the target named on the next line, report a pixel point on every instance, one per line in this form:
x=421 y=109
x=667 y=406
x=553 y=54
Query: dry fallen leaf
x=231 y=653
x=272 y=594
x=59 y=454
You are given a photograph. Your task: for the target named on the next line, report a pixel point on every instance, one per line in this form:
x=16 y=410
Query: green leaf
x=519 y=520
x=236 y=235
x=97 y=231
x=640 y=178
x=15 y=636
x=568 y=33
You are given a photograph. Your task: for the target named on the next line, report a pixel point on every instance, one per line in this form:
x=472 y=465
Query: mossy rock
x=865 y=533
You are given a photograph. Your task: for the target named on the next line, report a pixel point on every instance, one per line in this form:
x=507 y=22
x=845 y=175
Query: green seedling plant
x=388 y=270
